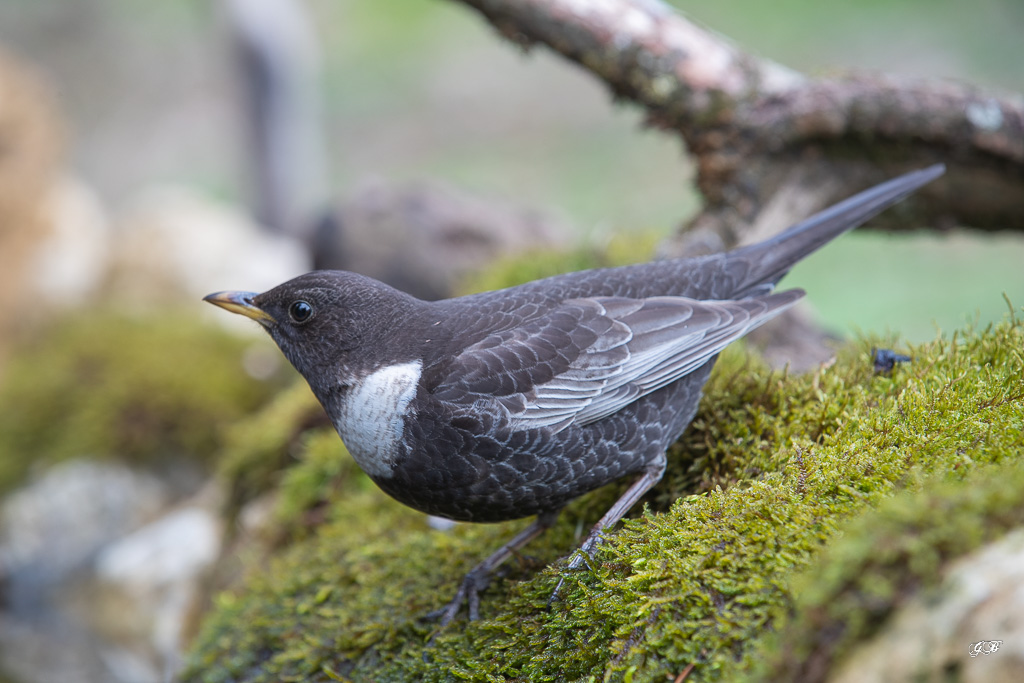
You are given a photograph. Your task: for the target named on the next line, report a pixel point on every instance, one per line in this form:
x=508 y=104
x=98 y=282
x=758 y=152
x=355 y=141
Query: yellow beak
x=241 y=303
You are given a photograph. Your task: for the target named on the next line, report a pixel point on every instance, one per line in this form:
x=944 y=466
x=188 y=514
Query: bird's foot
x=584 y=554
x=469 y=593
x=479 y=577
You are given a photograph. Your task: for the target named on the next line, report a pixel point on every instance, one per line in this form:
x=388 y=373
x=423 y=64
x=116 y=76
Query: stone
x=56 y=524
x=970 y=629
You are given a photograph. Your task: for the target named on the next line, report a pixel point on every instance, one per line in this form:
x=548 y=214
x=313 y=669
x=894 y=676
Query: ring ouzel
x=511 y=403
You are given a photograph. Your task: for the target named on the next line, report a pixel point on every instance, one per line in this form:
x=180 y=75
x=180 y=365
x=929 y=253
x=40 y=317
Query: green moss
x=882 y=559
x=100 y=384
x=772 y=471
x=261 y=447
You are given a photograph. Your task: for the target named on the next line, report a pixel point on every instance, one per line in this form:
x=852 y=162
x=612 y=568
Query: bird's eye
x=300 y=311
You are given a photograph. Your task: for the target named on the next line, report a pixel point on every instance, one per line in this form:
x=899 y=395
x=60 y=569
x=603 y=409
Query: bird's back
x=742 y=273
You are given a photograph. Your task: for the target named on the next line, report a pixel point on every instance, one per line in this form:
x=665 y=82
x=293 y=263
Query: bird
x=510 y=403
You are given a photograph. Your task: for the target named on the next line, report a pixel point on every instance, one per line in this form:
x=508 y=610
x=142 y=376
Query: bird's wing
x=590 y=357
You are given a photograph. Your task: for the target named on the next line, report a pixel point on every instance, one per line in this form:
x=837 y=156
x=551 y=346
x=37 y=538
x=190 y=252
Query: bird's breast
x=370 y=416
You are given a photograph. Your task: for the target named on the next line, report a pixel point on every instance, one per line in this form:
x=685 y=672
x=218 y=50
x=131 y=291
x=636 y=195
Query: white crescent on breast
x=372 y=416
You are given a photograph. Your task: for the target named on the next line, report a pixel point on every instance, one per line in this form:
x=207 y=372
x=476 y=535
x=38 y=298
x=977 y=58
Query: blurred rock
x=149 y=581
x=92 y=572
x=168 y=551
x=173 y=243
x=54 y=526
x=50 y=532
x=931 y=638
x=423 y=238
x=41 y=649
x=71 y=262
x=441 y=523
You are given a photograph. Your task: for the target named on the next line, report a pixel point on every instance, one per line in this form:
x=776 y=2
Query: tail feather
x=773 y=258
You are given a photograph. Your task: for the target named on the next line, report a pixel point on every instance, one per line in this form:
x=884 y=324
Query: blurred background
x=411 y=91
x=133 y=184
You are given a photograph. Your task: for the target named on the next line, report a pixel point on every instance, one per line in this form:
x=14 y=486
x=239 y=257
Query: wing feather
x=589 y=358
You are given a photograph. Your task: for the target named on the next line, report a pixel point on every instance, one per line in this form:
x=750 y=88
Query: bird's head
x=333 y=326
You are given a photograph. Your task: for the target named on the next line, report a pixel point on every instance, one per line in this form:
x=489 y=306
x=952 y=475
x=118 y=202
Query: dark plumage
x=511 y=403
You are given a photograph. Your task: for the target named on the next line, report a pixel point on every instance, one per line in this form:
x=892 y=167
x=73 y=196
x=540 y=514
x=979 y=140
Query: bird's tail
x=774 y=257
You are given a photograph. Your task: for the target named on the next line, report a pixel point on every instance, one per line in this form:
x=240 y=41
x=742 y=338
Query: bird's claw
x=554 y=593
x=585 y=553
x=469 y=593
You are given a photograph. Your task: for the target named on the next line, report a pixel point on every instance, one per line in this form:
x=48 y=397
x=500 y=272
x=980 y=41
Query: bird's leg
x=641 y=486
x=479 y=576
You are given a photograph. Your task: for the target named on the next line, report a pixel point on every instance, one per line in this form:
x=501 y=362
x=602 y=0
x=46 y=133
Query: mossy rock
x=153 y=389
x=882 y=560
x=765 y=526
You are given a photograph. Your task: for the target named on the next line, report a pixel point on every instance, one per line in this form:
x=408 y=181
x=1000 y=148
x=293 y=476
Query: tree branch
x=645 y=51
x=758 y=129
